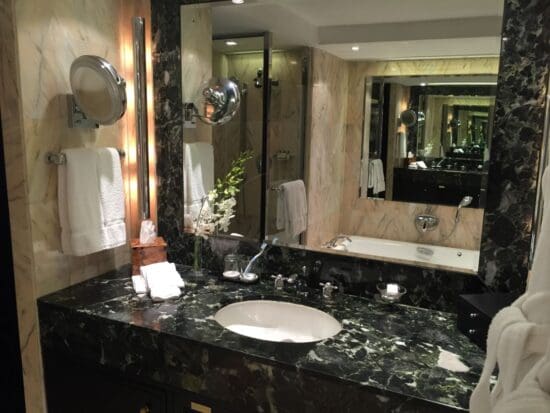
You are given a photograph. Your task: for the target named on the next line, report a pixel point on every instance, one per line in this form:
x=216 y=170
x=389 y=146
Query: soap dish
x=390 y=296
x=249 y=278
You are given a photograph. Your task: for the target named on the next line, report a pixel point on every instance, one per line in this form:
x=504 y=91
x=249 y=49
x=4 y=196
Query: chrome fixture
x=99 y=93
x=334 y=241
x=328 y=289
x=279 y=282
x=464 y=202
x=217 y=104
x=259 y=80
x=426 y=222
x=299 y=282
x=140 y=91
x=263 y=248
x=59 y=158
x=391 y=293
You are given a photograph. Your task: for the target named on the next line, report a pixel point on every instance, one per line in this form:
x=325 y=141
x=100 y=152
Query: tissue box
x=145 y=254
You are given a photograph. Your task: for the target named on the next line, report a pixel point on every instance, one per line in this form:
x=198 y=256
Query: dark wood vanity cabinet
x=75 y=386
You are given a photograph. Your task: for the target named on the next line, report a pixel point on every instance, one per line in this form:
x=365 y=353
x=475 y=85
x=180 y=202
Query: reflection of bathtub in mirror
x=432 y=256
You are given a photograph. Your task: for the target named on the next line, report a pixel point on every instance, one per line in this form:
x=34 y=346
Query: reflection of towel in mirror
x=518 y=341
x=198 y=178
x=376 y=176
x=292 y=208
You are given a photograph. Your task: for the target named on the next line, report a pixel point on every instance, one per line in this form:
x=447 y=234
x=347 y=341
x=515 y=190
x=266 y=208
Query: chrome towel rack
x=59 y=158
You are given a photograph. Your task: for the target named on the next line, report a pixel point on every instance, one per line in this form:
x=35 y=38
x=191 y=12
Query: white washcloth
x=198 y=178
x=518 y=341
x=376 y=179
x=292 y=208
x=91 y=201
x=162 y=272
x=164 y=292
x=139 y=284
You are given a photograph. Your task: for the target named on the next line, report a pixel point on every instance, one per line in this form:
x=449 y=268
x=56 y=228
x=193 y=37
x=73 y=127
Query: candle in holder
x=392 y=289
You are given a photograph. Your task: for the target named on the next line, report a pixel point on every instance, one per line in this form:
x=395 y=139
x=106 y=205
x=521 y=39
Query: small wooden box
x=145 y=254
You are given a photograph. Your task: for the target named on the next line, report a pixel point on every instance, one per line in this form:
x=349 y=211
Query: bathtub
x=432 y=256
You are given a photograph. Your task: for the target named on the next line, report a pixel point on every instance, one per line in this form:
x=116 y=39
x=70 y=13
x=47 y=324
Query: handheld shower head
x=464 y=202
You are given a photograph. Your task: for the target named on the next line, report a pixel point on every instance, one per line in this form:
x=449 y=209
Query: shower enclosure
x=270 y=123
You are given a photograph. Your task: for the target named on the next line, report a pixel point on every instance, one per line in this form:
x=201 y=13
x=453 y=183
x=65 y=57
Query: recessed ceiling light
x=423 y=84
x=355 y=48
x=231 y=43
x=237 y=1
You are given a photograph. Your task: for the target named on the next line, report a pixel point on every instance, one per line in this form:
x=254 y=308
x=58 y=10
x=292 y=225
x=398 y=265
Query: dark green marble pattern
x=385 y=353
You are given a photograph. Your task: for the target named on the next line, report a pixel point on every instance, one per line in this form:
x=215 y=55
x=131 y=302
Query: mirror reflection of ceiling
x=382 y=30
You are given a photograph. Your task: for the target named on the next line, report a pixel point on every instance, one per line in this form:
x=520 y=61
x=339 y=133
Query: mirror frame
x=114 y=83
x=520 y=109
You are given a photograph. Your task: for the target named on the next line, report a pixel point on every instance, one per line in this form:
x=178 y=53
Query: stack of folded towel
x=161 y=280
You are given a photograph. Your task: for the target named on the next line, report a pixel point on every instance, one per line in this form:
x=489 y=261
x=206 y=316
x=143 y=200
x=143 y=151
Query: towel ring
x=59 y=158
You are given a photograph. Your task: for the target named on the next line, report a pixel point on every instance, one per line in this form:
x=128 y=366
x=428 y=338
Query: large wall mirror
x=363 y=128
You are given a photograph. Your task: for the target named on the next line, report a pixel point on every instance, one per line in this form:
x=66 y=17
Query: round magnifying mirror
x=219 y=101
x=408 y=117
x=99 y=91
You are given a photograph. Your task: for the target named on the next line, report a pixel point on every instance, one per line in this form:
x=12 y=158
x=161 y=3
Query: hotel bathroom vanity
x=315 y=113
x=101 y=342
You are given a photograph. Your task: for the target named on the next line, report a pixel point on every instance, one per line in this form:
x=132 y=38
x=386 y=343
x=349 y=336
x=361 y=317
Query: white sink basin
x=277 y=321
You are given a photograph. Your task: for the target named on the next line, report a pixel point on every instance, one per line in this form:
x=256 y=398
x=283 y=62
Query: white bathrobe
x=519 y=341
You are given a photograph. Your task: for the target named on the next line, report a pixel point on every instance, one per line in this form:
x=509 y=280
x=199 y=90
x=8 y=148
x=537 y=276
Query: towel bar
x=58 y=158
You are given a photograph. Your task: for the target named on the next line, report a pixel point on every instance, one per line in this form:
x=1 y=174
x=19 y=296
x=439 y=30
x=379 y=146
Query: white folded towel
x=198 y=178
x=163 y=280
x=139 y=284
x=164 y=292
x=91 y=201
x=162 y=272
x=292 y=208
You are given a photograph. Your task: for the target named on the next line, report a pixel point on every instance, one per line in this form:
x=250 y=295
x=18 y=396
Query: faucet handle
x=328 y=289
x=279 y=281
x=292 y=278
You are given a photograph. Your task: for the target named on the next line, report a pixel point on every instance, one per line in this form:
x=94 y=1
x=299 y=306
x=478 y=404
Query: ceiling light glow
x=237 y=1
x=231 y=43
x=423 y=84
x=355 y=48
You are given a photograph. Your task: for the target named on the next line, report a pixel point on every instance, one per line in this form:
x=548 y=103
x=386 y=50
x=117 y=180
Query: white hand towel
x=139 y=284
x=111 y=194
x=198 y=177
x=292 y=207
x=378 y=180
x=164 y=292
x=82 y=206
x=162 y=273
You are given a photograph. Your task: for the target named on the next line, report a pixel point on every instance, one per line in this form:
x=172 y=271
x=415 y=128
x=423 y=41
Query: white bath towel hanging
x=91 y=201
x=198 y=178
x=376 y=179
x=292 y=208
x=518 y=341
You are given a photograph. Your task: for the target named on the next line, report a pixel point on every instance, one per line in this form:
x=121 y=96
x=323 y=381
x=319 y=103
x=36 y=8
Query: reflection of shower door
x=247 y=130
x=286 y=125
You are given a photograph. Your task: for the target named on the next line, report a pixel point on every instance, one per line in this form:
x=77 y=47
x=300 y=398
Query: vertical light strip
x=140 y=88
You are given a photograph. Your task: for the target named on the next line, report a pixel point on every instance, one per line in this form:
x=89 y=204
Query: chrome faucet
x=279 y=283
x=328 y=289
x=263 y=248
x=334 y=241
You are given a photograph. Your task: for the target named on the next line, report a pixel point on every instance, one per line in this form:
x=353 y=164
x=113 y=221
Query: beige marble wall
x=39 y=40
x=326 y=160
x=395 y=220
x=196 y=61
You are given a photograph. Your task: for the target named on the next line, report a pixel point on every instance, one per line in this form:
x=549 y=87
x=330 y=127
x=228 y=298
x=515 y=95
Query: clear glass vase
x=197 y=256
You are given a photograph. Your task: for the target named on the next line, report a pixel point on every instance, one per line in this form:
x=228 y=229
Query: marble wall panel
x=39 y=42
x=325 y=163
